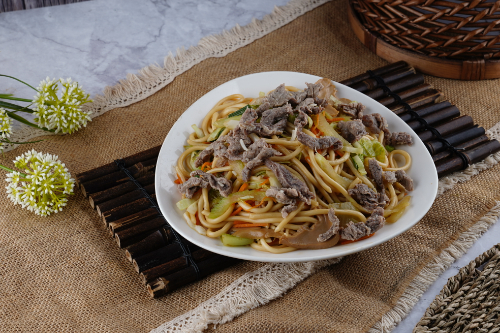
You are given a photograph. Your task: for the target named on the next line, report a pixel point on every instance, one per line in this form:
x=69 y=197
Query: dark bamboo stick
x=466 y=146
x=167 y=284
x=129 y=236
x=112 y=167
x=160 y=256
x=399 y=85
x=116 y=191
x=437 y=146
x=378 y=71
x=370 y=84
x=125 y=199
x=126 y=210
x=151 y=242
x=173 y=266
x=473 y=155
x=436 y=117
x=132 y=220
x=424 y=110
x=452 y=126
x=408 y=93
x=116 y=178
x=429 y=96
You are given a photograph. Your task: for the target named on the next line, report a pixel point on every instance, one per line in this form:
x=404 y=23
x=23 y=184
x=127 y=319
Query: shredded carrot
x=198 y=222
x=239 y=222
x=321 y=151
x=260 y=203
x=237 y=211
x=243 y=187
x=178 y=180
x=342 y=242
x=264 y=182
x=333 y=120
x=324 y=114
x=250 y=225
x=206 y=166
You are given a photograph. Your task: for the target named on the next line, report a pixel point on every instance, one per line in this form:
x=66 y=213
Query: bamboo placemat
x=470 y=301
x=63 y=273
x=166 y=261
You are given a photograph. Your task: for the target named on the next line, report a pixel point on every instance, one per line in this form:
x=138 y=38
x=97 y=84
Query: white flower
x=62 y=113
x=5 y=124
x=43 y=185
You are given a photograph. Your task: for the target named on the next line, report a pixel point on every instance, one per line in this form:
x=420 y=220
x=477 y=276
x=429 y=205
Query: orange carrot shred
x=178 y=180
x=198 y=222
x=342 y=242
x=264 y=182
x=335 y=120
x=250 y=225
x=243 y=187
x=237 y=211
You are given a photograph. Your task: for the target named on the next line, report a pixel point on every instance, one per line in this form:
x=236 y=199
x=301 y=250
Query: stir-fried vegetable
x=327 y=130
x=239 y=112
x=198 y=131
x=229 y=240
x=223 y=205
x=215 y=134
x=358 y=163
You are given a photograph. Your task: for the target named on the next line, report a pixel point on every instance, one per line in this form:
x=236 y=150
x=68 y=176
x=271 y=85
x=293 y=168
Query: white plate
x=422 y=171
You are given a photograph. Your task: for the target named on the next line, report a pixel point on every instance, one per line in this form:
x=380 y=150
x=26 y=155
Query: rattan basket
x=452 y=39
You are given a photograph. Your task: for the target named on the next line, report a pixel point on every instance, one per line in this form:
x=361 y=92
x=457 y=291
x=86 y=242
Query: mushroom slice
x=307 y=238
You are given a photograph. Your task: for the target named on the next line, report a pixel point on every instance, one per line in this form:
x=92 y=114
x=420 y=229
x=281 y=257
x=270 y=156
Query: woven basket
x=464 y=37
x=470 y=301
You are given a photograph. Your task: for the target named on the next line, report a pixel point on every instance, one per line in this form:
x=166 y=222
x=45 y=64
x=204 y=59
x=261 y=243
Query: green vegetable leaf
x=239 y=112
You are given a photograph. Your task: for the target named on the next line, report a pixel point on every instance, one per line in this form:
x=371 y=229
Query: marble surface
x=98 y=42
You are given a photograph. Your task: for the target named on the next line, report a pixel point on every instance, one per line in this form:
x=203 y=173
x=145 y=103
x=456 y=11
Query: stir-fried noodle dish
x=293 y=169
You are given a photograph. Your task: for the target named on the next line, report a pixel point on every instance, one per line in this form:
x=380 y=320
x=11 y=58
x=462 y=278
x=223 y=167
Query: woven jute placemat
x=63 y=273
x=470 y=301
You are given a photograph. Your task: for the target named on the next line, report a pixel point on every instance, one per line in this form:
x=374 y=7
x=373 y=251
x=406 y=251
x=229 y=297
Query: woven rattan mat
x=63 y=273
x=470 y=301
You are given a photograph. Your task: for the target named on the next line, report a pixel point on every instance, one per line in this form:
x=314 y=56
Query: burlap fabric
x=64 y=272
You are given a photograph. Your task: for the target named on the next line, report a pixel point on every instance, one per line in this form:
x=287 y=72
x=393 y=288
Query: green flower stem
x=11 y=97
x=19 y=81
x=15 y=107
x=24 y=121
x=10 y=170
x=19 y=143
x=6 y=169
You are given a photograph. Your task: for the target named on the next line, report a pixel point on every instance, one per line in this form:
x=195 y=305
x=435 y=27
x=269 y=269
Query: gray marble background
x=98 y=42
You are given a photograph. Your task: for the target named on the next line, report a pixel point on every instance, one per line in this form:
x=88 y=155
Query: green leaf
x=24 y=121
x=230 y=240
x=19 y=81
x=389 y=148
x=11 y=97
x=215 y=134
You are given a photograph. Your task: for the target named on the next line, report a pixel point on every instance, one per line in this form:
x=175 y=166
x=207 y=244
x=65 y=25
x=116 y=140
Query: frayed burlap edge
x=151 y=79
x=249 y=291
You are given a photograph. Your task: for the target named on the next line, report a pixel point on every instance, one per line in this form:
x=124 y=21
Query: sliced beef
x=286 y=196
x=273 y=121
x=334 y=229
x=216 y=148
x=200 y=179
x=399 y=138
x=263 y=107
x=190 y=186
x=380 y=176
x=354 y=109
x=312 y=105
x=368 y=198
x=354 y=231
x=287 y=180
x=321 y=143
x=376 y=221
x=389 y=176
x=255 y=156
x=313 y=89
x=305 y=102
x=376 y=123
x=352 y=130
x=218 y=183
x=300 y=121
x=278 y=96
x=297 y=97
x=234 y=138
x=404 y=180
